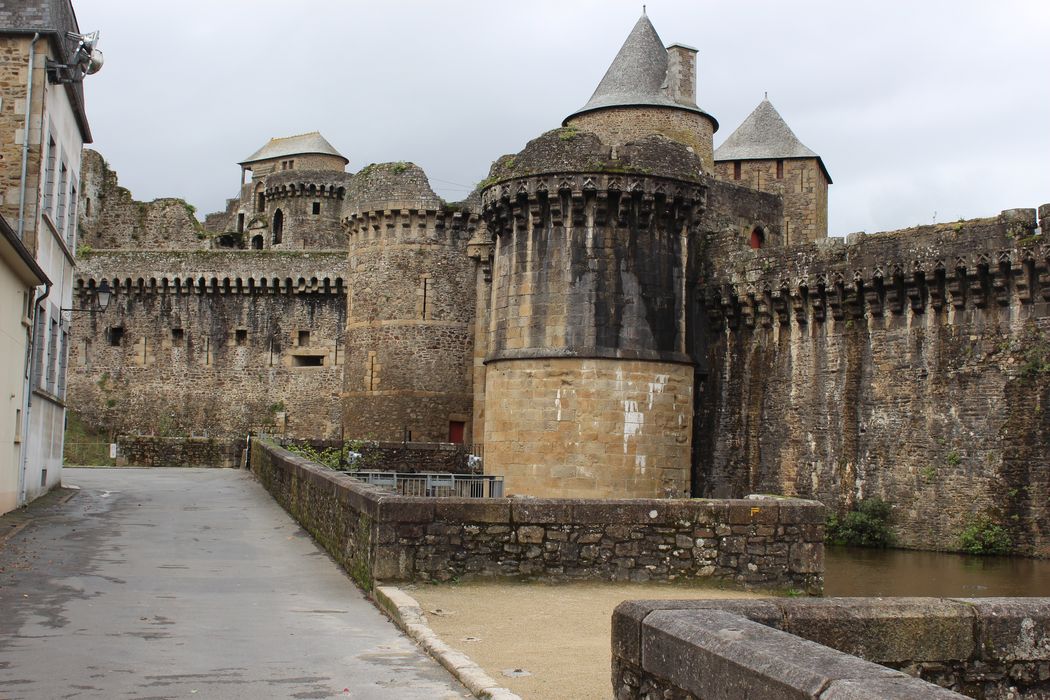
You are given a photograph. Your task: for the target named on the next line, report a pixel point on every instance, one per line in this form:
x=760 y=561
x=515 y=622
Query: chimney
x=681 y=74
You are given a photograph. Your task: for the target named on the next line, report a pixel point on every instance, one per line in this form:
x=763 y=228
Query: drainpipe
x=25 y=143
x=33 y=340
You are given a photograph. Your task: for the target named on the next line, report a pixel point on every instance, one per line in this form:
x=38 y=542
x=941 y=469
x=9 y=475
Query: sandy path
x=558 y=633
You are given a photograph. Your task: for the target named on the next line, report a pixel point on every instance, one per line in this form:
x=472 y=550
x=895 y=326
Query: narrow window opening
x=43 y=478
x=371 y=371
x=18 y=425
x=115 y=335
x=260 y=202
x=308 y=360
x=49 y=174
x=304 y=338
x=257 y=242
x=426 y=289
x=176 y=335
x=780 y=170
x=758 y=238
x=87 y=206
x=455 y=431
x=278 y=226
x=736 y=170
x=240 y=223
x=241 y=336
x=317 y=208
x=207 y=351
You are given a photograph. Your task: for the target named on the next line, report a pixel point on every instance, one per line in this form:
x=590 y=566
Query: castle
x=617 y=310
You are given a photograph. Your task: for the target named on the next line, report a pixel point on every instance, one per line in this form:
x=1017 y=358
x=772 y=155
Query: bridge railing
x=435 y=484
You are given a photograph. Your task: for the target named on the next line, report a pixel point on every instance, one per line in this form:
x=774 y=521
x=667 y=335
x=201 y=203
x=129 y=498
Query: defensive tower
x=649 y=90
x=764 y=154
x=410 y=310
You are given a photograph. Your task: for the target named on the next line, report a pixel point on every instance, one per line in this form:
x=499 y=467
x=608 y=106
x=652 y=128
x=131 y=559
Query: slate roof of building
x=764 y=135
x=312 y=143
x=637 y=76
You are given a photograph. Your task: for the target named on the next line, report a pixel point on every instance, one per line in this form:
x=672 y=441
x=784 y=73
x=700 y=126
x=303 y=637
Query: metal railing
x=435 y=485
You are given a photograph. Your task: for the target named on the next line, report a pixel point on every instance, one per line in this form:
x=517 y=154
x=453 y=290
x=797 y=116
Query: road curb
x=17 y=520
x=406 y=613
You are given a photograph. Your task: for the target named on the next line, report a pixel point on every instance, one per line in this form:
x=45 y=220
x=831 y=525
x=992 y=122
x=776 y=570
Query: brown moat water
x=851 y=571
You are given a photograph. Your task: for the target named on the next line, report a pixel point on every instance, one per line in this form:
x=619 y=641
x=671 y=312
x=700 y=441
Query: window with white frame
x=71 y=216
x=63 y=358
x=52 y=357
x=49 y=174
x=63 y=186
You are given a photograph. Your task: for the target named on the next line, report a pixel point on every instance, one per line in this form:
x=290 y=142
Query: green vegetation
x=953 y=458
x=400 y=167
x=84 y=445
x=984 y=536
x=351 y=456
x=865 y=526
x=567 y=133
x=83 y=250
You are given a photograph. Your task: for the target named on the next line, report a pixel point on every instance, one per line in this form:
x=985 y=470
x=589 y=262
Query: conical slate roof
x=637 y=76
x=764 y=135
x=312 y=143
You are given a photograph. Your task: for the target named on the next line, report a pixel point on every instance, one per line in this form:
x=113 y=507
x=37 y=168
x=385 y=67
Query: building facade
x=43 y=127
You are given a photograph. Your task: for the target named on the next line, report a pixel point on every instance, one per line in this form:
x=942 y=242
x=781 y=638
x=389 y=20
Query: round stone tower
x=410 y=310
x=306 y=209
x=589 y=389
x=649 y=89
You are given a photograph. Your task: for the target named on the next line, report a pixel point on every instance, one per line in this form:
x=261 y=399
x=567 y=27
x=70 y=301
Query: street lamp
x=103 y=295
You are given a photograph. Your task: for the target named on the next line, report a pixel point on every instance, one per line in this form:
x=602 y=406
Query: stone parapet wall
x=376 y=535
x=620 y=125
x=154 y=451
x=886 y=648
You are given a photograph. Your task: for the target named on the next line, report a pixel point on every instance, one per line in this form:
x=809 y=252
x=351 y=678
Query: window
x=308 y=360
x=758 y=238
x=87 y=206
x=60 y=380
x=115 y=335
x=52 y=357
x=304 y=338
x=455 y=431
x=260 y=202
x=317 y=208
x=278 y=226
x=780 y=170
x=71 y=218
x=38 y=350
x=241 y=336
x=49 y=174
x=240 y=222
x=177 y=335
x=60 y=209
x=736 y=170
x=257 y=242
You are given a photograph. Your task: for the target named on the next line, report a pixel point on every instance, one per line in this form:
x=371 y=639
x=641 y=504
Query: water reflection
x=896 y=572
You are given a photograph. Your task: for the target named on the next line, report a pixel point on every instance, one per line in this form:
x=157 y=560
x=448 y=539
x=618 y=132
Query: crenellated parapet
x=981 y=264
x=437 y=225
x=593 y=199
x=86 y=287
x=306 y=183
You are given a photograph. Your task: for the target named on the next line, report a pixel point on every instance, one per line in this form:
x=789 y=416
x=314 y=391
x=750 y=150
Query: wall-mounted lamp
x=85 y=60
x=102 y=296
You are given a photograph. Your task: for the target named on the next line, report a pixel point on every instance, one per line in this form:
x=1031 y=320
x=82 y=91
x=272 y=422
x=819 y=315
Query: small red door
x=455 y=431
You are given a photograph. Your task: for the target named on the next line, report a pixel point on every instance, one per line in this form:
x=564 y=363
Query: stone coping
x=826 y=648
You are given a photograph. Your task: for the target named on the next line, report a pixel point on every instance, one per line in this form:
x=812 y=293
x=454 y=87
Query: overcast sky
x=919 y=109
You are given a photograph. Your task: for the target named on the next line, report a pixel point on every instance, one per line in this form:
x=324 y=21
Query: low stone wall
x=153 y=451
x=407 y=457
x=886 y=648
x=378 y=535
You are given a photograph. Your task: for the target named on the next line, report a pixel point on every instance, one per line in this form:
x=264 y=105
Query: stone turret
x=649 y=90
x=586 y=347
x=410 y=310
x=764 y=154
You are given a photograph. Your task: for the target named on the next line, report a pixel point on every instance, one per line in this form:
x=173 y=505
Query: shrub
x=983 y=536
x=865 y=526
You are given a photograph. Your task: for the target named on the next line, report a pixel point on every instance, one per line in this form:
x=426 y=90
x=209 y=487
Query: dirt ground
x=558 y=633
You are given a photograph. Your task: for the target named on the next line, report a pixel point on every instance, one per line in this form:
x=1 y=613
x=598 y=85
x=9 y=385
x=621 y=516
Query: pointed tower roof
x=637 y=76
x=312 y=143
x=764 y=135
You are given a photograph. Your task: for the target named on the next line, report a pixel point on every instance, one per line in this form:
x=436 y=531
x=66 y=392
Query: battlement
x=981 y=263
x=85 y=287
x=409 y=224
x=302 y=183
x=592 y=198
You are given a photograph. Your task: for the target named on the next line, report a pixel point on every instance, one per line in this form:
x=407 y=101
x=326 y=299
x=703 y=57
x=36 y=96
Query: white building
x=43 y=128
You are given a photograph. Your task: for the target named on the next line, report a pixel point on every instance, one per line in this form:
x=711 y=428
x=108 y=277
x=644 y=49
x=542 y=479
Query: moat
x=853 y=571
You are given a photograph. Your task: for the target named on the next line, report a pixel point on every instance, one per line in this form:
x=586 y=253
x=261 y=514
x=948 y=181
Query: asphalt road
x=190 y=583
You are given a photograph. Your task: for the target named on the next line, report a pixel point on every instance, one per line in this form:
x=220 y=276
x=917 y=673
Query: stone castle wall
x=111 y=218
x=913 y=366
x=202 y=343
x=802 y=184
